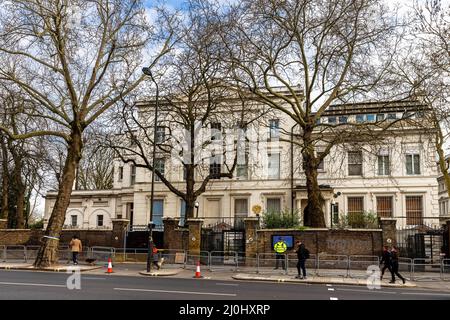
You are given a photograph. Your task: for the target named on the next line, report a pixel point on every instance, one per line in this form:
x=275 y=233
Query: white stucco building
x=396 y=177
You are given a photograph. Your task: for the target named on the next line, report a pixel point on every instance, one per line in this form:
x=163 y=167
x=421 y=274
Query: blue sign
x=289 y=240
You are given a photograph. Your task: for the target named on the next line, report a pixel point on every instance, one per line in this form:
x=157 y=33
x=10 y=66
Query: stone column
x=251 y=237
x=171 y=235
x=3 y=224
x=388 y=226
x=118 y=233
x=195 y=235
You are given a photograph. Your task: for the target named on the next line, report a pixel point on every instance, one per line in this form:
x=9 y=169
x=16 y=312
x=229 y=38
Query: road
x=26 y=285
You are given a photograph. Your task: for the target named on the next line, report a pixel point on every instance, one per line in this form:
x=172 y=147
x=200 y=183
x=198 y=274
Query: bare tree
x=199 y=118
x=423 y=71
x=74 y=59
x=335 y=51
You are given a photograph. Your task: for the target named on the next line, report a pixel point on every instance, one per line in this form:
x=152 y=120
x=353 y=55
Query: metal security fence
x=332 y=265
x=223 y=260
x=358 y=265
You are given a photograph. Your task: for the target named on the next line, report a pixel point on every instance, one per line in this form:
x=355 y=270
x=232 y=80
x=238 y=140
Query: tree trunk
x=5 y=180
x=19 y=187
x=313 y=214
x=47 y=254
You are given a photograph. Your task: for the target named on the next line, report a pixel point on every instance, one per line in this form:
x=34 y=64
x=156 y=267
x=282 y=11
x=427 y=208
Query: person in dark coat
x=302 y=255
x=386 y=261
x=394 y=261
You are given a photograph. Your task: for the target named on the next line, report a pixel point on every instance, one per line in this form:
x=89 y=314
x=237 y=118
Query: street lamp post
x=149 y=73
x=196 y=206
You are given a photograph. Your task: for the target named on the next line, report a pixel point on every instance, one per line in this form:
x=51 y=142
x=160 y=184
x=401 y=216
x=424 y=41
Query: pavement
x=56 y=268
x=138 y=270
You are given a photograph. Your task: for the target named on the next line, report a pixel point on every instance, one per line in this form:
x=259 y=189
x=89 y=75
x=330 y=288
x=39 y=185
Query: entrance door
x=158 y=213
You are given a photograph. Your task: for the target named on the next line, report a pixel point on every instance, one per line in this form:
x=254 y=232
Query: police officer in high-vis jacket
x=280 y=249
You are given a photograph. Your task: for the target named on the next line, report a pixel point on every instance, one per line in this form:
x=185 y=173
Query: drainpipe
x=292 y=169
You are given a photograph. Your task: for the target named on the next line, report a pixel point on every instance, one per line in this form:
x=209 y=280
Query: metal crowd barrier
x=246 y=263
x=332 y=265
x=445 y=273
x=267 y=263
x=223 y=260
x=358 y=265
x=405 y=265
x=192 y=260
x=310 y=264
x=424 y=268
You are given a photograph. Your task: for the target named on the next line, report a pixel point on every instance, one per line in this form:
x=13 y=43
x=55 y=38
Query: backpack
x=306 y=253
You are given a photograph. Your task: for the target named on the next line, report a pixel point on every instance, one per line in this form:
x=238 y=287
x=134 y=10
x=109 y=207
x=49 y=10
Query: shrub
x=363 y=220
x=38 y=225
x=285 y=219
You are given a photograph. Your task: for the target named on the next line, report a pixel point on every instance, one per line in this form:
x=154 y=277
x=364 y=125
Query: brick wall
x=174 y=236
x=321 y=241
x=20 y=237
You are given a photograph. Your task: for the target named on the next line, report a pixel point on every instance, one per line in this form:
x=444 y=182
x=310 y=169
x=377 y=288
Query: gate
x=223 y=237
x=423 y=242
x=137 y=237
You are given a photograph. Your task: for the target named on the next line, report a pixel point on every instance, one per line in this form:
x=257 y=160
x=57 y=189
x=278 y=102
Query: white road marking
x=32 y=284
x=183 y=292
x=227 y=284
x=329 y=285
x=330 y=289
x=332 y=298
x=367 y=291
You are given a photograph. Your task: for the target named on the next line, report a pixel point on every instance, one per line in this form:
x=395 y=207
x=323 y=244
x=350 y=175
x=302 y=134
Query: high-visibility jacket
x=280 y=247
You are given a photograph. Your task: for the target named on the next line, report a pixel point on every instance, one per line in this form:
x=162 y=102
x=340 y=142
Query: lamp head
x=196 y=204
x=146 y=71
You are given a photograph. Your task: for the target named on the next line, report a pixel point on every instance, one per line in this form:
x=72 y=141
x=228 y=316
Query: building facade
x=394 y=174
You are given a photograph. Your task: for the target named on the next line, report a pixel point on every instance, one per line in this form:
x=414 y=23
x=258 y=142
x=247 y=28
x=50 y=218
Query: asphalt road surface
x=26 y=285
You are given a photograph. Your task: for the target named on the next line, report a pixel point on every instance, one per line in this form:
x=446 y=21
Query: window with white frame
x=241 y=207
x=132 y=174
x=120 y=174
x=273 y=165
x=274 y=125
x=74 y=220
x=412 y=163
x=242 y=167
x=384 y=206
x=443 y=207
x=273 y=205
x=160 y=134
x=321 y=166
x=384 y=165
x=100 y=220
x=414 y=210
x=216 y=131
x=355 y=161
x=160 y=165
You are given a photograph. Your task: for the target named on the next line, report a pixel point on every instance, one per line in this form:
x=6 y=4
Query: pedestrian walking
x=302 y=255
x=76 y=247
x=156 y=258
x=280 y=248
x=395 y=266
x=386 y=261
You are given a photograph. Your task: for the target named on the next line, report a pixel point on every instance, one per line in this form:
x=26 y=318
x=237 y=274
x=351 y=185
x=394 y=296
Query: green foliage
x=38 y=225
x=286 y=219
x=363 y=220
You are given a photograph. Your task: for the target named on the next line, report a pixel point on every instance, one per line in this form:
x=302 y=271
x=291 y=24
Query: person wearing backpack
x=302 y=255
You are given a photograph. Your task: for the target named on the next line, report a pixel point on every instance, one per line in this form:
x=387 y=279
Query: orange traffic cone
x=197 y=271
x=110 y=270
